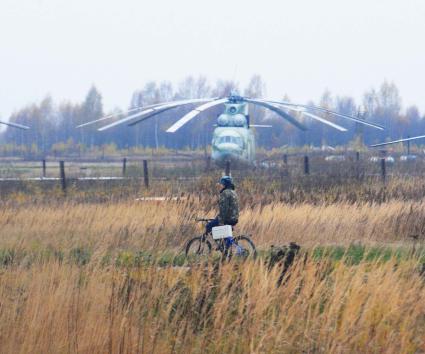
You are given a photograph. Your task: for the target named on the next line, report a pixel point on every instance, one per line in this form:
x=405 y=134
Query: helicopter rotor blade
x=109 y=116
x=167 y=107
x=192 y=114
x=321 y=109
x=151 y=114
x=126 y=119
x=155 y=109
x=280 y=112
x=399 y=141
x=15 y=125
x=324 y=121
x=320 y=119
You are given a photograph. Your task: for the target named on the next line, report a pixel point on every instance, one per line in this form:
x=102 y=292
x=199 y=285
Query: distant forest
x=53 y=124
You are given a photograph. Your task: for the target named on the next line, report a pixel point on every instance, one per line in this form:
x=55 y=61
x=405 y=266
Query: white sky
x=302 y=47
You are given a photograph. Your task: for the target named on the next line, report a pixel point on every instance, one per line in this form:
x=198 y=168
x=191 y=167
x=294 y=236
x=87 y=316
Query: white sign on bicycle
x=220 y=232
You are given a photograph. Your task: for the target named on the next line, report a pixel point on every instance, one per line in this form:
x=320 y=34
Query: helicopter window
x=230 y=139
x=224 y=139
x=238 y=141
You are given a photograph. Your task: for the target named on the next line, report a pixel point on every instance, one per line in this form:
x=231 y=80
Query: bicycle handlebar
x=203 y=220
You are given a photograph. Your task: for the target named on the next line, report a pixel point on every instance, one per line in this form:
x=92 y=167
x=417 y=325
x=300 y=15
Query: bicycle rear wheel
x=198 y=247
x=242 y=248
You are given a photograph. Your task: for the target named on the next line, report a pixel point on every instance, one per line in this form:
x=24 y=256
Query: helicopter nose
x=229 y=147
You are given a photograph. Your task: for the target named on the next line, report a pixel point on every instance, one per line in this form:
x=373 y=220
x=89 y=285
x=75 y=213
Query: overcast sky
x=62 y=47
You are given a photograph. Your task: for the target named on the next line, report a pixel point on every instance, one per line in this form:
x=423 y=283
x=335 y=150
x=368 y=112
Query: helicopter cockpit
x=237 y=140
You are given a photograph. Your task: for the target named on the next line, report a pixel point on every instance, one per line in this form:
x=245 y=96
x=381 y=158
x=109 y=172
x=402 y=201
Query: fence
x=318 y=168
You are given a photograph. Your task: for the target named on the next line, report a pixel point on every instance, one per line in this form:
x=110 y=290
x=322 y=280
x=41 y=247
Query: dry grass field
x=106 y=274
x=322 y=307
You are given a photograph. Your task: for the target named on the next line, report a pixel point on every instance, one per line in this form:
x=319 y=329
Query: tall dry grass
x=152 y=225
x=55 y=298
x=370 y=308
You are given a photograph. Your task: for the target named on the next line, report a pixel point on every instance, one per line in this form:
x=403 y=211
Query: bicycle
x=238 y=246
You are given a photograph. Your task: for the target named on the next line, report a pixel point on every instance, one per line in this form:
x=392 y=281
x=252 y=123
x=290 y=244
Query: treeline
x=54 y=125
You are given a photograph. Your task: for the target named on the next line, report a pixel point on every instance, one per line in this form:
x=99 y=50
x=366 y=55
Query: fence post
x=357 y=165
x=62 y=175
x=227 y=171
x=306 y=165
x=383 y=170
x=146 y=173
x=208 y=163
x=124 y=166
x=44 y=168
x=408 y=145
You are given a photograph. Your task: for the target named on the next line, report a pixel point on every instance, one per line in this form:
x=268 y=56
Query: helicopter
x=233 y=138
x=15 y=125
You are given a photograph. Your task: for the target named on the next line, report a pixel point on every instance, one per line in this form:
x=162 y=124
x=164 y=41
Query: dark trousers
x=211 y=224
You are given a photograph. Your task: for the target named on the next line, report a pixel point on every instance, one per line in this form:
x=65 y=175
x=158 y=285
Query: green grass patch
x=81 y=256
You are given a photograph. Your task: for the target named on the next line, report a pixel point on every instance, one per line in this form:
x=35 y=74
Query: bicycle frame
x=231 y=241
x=228 y=242
x=239 y=245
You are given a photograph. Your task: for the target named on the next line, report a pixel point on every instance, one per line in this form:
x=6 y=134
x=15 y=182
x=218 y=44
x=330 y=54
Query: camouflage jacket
x=229 y=207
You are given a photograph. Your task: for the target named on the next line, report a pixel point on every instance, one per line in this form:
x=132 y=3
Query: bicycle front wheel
x=198 y=247
x=241 y=248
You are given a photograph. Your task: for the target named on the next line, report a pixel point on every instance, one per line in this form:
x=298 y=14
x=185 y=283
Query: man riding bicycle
x=230 y=246
x=228 y=205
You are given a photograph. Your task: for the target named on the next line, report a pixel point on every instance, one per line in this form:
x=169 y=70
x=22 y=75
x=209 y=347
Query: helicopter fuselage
x=233 y=139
